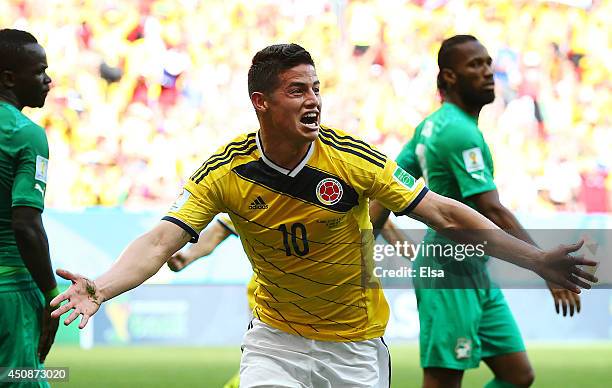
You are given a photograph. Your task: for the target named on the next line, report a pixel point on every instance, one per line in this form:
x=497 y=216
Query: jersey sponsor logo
x=42 y=165
x=329 y=191
x=180 y=201
x=479 y=176
x=258 y=204
x=403 y=178
x=463 y=349
x=473 y=160
x=38 y=187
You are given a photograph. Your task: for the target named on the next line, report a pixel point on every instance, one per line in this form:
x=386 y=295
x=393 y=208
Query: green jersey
x=449 y=152
x=24 y=158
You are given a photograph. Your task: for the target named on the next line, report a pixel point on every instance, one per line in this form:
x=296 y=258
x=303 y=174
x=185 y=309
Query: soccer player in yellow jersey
x=298 y=194
x=215 y=234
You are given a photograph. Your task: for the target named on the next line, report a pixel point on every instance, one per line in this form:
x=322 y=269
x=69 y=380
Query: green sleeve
x=469 y=160
x=407 y=158
x=31 y=165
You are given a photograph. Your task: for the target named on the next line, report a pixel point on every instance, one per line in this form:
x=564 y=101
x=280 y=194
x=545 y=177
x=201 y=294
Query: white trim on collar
x=282 y=170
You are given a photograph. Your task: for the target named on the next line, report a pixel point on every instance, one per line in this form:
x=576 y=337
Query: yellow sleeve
x=396 y=189
x=227 y=223
x=197 y=205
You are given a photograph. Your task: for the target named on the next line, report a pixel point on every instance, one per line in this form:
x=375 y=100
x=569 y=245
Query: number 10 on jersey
x=298 y=237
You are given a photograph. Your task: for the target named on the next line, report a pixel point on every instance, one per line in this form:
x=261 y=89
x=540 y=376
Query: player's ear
x=449 y=77
x=7 y=78
x=259 y=102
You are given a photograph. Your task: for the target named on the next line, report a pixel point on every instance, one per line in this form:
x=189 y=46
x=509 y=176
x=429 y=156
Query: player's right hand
x=83 y=298
x=47 y=334
x=565 y=299
x=178 y=261
x=560 y=267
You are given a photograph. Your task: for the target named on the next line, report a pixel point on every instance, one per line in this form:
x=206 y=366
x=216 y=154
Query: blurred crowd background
x=145 y=90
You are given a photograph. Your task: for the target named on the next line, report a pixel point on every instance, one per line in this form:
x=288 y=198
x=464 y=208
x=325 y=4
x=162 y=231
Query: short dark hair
x=12 y=52
x=268 y=63
x=445 y=55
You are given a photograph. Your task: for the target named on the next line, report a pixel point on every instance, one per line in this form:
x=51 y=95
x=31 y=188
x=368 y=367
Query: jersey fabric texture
x=463 y=318
x=306 y=231
x=449 y=151
x=252 y=285
x=24 y=155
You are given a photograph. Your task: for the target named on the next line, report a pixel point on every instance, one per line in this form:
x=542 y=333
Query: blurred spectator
x=594 y=191
x=178 y=70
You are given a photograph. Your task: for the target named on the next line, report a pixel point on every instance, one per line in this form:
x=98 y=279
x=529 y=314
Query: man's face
x=472 y=66
x=294 y=107
x=31 y=80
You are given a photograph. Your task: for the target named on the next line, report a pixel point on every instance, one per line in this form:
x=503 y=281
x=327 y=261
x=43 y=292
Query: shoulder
x=350 y=149
x=237 y=151
x=457 y=132
x=13 y=120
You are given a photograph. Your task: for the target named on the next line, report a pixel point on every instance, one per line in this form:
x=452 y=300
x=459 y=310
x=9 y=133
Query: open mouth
x=310 y=119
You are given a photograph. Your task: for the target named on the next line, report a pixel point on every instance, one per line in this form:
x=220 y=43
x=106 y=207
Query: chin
x=487 y=97
x=481 y=99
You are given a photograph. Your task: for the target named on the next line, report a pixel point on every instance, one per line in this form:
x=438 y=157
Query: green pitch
x=556 y=366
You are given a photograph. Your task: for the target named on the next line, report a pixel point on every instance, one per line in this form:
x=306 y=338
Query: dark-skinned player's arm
x=394 y=236
x=488 y=204
x=33 y=248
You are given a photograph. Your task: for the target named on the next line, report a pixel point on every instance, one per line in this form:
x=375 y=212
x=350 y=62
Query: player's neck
x=472 y=110
x=10 y=98
x=282 y=152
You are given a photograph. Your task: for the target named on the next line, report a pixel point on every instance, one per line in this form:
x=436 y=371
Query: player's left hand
x=564 y=299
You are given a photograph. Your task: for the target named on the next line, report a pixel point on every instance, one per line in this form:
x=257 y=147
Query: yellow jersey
x=306 y=231
x=252 y=285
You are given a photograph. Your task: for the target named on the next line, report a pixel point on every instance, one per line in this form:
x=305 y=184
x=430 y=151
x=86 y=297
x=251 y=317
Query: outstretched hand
x=82 y=296
x=559 y=267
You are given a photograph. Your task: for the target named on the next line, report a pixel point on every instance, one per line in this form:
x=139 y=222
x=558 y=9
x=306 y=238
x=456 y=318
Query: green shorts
x=459 y=327
x=20 y=318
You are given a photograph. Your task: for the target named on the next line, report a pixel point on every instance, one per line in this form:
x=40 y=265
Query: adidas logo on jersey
x=258 y=204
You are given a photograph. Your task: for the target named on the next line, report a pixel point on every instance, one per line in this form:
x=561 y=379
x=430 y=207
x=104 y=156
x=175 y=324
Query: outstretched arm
x=488 y=204
x=138 y=262
x=463 y=224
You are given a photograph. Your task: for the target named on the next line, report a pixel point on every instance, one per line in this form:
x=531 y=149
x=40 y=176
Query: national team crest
x=463 y=349
x=329 y=191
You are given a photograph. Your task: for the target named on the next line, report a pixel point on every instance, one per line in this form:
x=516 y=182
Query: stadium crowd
x=145 y=90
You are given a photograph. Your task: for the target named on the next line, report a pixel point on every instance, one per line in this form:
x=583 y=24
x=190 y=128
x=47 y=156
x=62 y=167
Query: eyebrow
x=302 y=84
x=478 y=57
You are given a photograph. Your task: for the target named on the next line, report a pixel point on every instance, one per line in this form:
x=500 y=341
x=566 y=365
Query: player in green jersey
x=463 y=319
x=27 y=283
